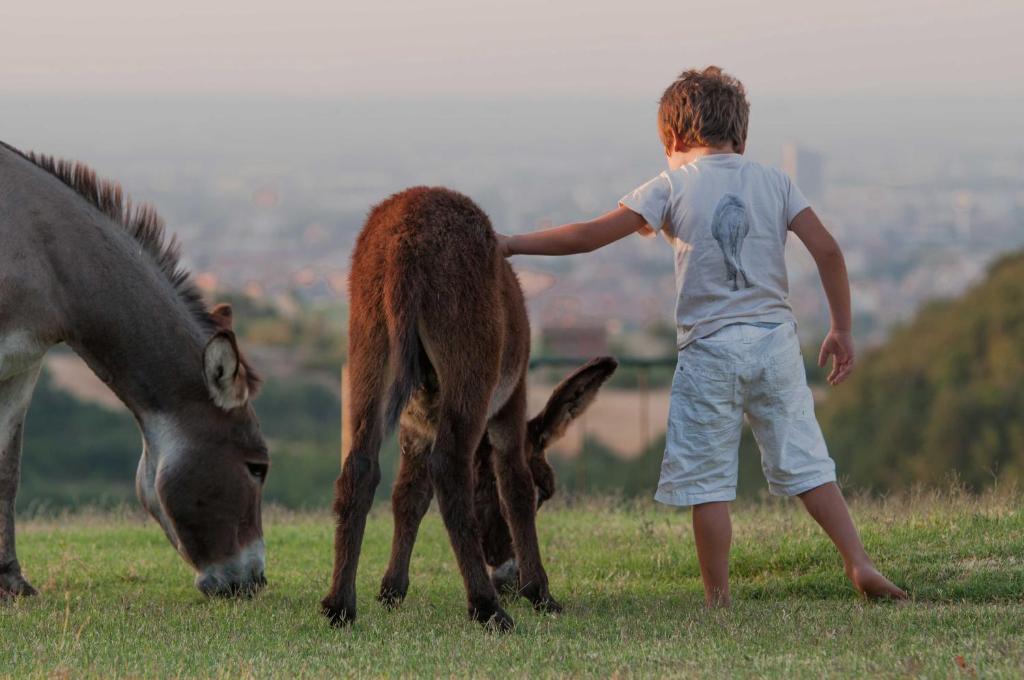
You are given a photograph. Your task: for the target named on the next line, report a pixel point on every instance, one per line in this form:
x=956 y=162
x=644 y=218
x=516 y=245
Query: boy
x=727 y=219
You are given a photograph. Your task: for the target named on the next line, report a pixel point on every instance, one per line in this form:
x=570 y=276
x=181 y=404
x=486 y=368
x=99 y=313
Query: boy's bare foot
x=873 y=585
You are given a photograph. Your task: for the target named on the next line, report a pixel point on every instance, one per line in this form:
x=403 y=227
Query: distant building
x=963 y=209
x=806 y=168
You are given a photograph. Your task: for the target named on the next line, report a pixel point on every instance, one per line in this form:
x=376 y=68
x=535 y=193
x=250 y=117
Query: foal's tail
x=425 y=246
x=401 y=309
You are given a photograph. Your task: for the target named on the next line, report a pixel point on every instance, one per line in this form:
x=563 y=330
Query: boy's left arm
x=578 y=237
x=832 y=268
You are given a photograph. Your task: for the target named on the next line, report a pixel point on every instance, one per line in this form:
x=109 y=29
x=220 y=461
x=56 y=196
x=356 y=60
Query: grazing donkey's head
x=202 y=471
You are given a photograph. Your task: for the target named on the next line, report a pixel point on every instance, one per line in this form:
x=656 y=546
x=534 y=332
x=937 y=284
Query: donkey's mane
x=140 y=221
x=143 y=224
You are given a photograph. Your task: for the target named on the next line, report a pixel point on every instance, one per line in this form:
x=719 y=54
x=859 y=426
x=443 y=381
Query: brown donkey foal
x=437 y=315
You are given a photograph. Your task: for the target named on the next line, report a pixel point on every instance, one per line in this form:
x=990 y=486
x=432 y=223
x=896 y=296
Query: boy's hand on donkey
x=838 y=345
x=504 y=244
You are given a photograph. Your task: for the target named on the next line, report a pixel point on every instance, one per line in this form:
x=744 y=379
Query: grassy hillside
x=942 y=395
x=116 y=600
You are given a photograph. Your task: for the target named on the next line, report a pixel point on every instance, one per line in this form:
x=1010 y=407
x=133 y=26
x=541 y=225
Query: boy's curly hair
x=704 y=108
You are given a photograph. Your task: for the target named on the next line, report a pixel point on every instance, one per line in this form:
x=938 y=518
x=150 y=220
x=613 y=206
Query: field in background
x=616 y=419
x=116 y=600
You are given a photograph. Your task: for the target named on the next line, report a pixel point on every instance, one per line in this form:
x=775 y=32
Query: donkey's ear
x=224 y=371
x=572 y=396
x=222 y=317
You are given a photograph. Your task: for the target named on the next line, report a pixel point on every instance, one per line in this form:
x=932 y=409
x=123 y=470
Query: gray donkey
x=79 y=265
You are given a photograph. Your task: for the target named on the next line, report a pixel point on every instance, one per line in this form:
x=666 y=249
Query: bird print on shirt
x=730 y=226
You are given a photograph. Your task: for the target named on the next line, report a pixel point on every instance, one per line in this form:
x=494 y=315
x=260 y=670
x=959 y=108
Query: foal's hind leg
x=410 y=499
x=507 y=432
x=360 y=474
x=465 y=391
x=15 y=394
x=451 y=472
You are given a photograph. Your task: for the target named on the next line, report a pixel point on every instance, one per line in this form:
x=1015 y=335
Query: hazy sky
x=516 y=47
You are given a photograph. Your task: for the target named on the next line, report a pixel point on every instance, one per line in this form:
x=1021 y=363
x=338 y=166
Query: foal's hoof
x=547 y=605
x=390 y=596
x=493 y=618
x=541 y=598
x=14 y=585
x=338 y=614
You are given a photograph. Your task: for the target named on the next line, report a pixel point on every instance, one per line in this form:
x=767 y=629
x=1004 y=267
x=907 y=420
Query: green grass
x=116 y=600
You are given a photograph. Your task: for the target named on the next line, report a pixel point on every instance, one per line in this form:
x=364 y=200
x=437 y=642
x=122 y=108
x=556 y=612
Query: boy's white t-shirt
x=727 y=219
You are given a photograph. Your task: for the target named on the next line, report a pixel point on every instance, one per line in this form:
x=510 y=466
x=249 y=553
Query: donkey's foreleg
x=507 y=432
x=451 y=472
x=353 y=496
x=410 y=499
x=15 y=395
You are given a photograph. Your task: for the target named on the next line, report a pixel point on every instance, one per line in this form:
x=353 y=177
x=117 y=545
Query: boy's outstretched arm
x=578 y=237
x=832 y=268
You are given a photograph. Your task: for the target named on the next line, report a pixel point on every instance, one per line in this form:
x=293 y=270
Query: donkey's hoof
x=493 y=618
x=339 y=615
x=390 y=596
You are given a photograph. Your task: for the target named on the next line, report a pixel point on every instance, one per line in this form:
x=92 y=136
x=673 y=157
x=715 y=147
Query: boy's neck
x=683 y=155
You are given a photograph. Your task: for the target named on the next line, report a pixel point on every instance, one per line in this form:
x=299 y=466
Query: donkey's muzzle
x=240 y=576
x=212 y=586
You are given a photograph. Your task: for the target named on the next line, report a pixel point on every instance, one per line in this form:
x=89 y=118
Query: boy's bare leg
x=712 y=531
x=826 y=505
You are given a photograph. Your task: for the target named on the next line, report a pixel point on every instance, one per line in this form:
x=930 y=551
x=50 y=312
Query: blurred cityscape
x=268 y=196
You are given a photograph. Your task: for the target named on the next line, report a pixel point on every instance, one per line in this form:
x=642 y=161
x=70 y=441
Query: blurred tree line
x=78 y=453
x=944 y=395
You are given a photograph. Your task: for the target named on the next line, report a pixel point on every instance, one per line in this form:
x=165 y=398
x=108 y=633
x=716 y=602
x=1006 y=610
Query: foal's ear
x=572 y=396
x=222 y=316
x=224 y=371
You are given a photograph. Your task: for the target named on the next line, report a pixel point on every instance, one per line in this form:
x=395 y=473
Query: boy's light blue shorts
x=740 y=370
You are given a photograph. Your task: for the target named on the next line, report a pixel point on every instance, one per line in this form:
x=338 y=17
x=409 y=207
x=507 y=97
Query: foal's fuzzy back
x=421 y=253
